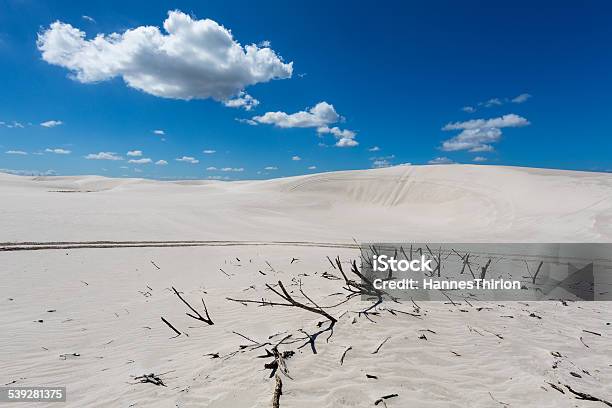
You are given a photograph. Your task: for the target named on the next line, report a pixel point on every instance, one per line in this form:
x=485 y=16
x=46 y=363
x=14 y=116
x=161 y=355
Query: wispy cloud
x=144 y=160
x=209 y=151
x=161 y=163
x=159 y=132
x=90 y=19
x=188 y=159
x=12 y=125
x=58 y=151
x=51 y=123
x=134 y=153
x=271 y=168
x=479 y=159
x=440 y=160
x=312 y=167
x=103 y=156
x=521 y=98
x=17 y=152
x=296 y=158
x=192 y=59
x=477 y=135
x=233 y=169
x=29 y=172
x=374 y=149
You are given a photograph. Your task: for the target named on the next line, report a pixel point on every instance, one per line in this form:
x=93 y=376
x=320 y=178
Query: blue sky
x=337 y=85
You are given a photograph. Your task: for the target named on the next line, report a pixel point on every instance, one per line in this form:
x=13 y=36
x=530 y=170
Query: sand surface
x=104 y=301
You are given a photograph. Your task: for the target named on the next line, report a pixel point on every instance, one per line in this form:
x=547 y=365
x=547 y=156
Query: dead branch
x=537 y=271
x=198 y=316
x=344 y=354
x=588 y=397
x=380 y=345
x=178 y=333
x=278 y=391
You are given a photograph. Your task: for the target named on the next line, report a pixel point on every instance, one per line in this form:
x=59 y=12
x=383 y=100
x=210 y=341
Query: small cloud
x=234 y=169
x=29 y=172
x=477 y=135
x=12 y=125
x=209 y=151
x=188 y=159
x=296 y=158
x=521 y=98
x=468 y=109
x=58 y=151
x=161 y=163
x=479 y=159
x=211 y=168
x=18 y=152
x=271 y=168
x=90 y=19
x=51 y=123
x=440 y=160
x=103 y=156
x=374 y=149
x=159 y=132
x=219 y=178
x=346 y=142
x=243 y=100
x=134 y=153
x=312 y=167
x=247 y=121
x=265 y=44
x=493 y=102
x=144 y=160
x=381 y=163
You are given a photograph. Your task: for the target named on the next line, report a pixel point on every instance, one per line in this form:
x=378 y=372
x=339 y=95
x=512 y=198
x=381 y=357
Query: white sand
x=105 y=311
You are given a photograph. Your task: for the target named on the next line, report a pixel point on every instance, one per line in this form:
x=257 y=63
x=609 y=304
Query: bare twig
x=178 y=333
x=198 y=316
x=344 y=354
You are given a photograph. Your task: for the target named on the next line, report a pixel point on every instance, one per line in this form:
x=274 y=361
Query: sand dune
x=106 y=304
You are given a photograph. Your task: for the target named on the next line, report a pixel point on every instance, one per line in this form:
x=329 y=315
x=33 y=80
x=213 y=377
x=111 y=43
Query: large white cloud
x=477 y=135
x=320 y=116
x=191 y=59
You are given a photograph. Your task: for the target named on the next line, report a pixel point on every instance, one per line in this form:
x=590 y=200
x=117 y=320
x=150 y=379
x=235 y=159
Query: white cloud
x=521 y=98
x=247 y=121
x=479 y=159
x=51 y=123
x=18 y=152
x=346 y=142
x=58 y=151
x=380 y=163
x=468 y=109
x=493 y=102
x=312 y=167
x=29 y=172
x=477 y=135
x=188 y=159
x=211 y=168
x=243 y=100
x=161 y=163
x=440 y=160
x=322 y=114
x=144 y=160
x=134 y=153
x=234 y=169
x=90 y=19
x=191 y=59
x=209 y=151
x=296 y=158
x=159 y=132
x=271 y=168
x=374 y=149
x=103 y=156
x=12 y=125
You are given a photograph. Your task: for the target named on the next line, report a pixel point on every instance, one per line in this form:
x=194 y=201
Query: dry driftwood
x=278 y=391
